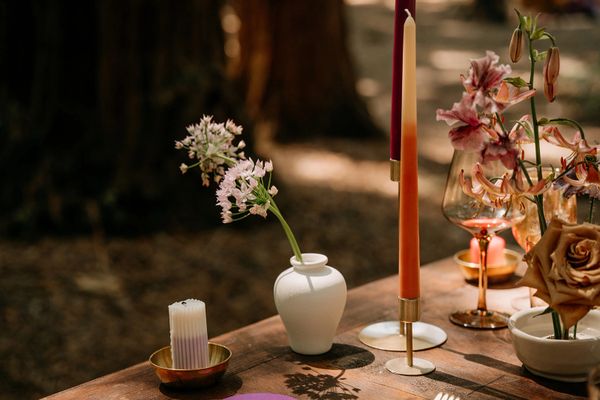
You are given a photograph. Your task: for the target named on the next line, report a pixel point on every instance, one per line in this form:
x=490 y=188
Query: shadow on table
x=341 y=356
x=578 y=389
x=227 y=386
x=317 y=385
x=489 y=362
x=473 y=386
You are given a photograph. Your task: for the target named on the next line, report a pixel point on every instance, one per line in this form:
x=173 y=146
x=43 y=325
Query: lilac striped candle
x=189 y=338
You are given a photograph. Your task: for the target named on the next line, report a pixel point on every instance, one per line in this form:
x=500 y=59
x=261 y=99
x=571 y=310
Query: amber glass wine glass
x=482 y=221
x=527 y=231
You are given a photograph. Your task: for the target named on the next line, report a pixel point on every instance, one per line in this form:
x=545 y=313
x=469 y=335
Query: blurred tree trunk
x=94 y=95
x=491 y=10
x=296 y=71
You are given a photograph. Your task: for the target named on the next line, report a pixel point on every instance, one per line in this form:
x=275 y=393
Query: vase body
x=310 y=298
x=563 y=360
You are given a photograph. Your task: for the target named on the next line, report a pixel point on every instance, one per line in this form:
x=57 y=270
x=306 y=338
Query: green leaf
x=538 y=34
x=539 y=55
x=526 y=22
x=527 y=128
x=517 y=82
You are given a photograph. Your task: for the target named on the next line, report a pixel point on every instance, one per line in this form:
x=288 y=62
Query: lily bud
x=550 y=90
x=516 y=44
x=551 y=70
x=552 y=65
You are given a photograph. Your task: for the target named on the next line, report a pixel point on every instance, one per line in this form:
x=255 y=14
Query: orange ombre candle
x=408 y=193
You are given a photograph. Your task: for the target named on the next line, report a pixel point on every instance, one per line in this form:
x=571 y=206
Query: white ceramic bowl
x=564 y=360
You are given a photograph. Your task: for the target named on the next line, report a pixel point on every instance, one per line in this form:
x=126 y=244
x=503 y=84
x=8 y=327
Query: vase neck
x=309 y=261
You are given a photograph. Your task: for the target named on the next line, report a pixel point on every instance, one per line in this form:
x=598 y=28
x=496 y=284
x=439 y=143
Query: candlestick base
x=399 y=366
x=386 y=336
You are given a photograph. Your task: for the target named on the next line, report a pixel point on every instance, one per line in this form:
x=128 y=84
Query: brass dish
x=218 y=354
x=496 y=273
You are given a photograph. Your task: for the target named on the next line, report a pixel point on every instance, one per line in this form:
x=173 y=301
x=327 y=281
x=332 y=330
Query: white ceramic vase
x=310 y=298
x=562 y=360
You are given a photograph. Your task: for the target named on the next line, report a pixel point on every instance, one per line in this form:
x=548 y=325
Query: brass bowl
x=496 y=273
x=218 y=361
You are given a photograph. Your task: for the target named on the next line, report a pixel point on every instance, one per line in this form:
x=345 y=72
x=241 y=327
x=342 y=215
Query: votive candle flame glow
x=189 y=337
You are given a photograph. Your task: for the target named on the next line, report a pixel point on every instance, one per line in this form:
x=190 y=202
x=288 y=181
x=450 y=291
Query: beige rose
x=564 y=267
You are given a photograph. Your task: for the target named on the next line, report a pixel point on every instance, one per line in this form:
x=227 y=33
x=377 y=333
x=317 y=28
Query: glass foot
x=477 y=319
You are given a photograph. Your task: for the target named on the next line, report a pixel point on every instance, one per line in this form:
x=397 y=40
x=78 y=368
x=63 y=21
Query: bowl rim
x=193 y=369
x=520 y=333
x=518 y=256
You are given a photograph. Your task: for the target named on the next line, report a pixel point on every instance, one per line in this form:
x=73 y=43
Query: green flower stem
x=568 y=121
x=556 y=325
x=539 y=199
x=525 y=172
x=288 y=231
x=591 y=214
x=575 y=331
x=230 y=161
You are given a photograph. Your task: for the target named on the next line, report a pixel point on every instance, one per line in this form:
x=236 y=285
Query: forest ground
x=77 y=308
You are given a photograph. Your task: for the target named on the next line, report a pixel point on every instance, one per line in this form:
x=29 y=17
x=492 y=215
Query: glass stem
x=484 y=240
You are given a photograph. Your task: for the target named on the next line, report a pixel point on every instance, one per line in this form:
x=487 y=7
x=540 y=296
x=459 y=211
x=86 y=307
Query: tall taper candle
x=399 y=18
x=408 y=193
x=189 y=339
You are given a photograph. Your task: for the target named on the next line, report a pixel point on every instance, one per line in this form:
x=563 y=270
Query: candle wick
x=408 y=12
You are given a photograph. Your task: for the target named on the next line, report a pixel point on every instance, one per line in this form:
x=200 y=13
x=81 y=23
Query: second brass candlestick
x=409 y=313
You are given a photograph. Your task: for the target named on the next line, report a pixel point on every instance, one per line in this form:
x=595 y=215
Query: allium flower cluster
x=242 y=188
x=211 y=144
x=243 y=191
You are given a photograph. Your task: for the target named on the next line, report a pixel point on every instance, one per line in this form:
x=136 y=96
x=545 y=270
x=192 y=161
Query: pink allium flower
x=242 y=190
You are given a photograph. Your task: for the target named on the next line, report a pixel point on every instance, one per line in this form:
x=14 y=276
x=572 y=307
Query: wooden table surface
x=471 y=364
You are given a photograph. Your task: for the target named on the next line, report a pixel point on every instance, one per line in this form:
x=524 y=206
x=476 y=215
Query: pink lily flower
x=473 y=132
x=509 y=95
x=485 y=74
x=586 y=180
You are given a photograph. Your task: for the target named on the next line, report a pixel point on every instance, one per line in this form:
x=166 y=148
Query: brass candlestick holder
x=410 y=312
x=391 y=335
